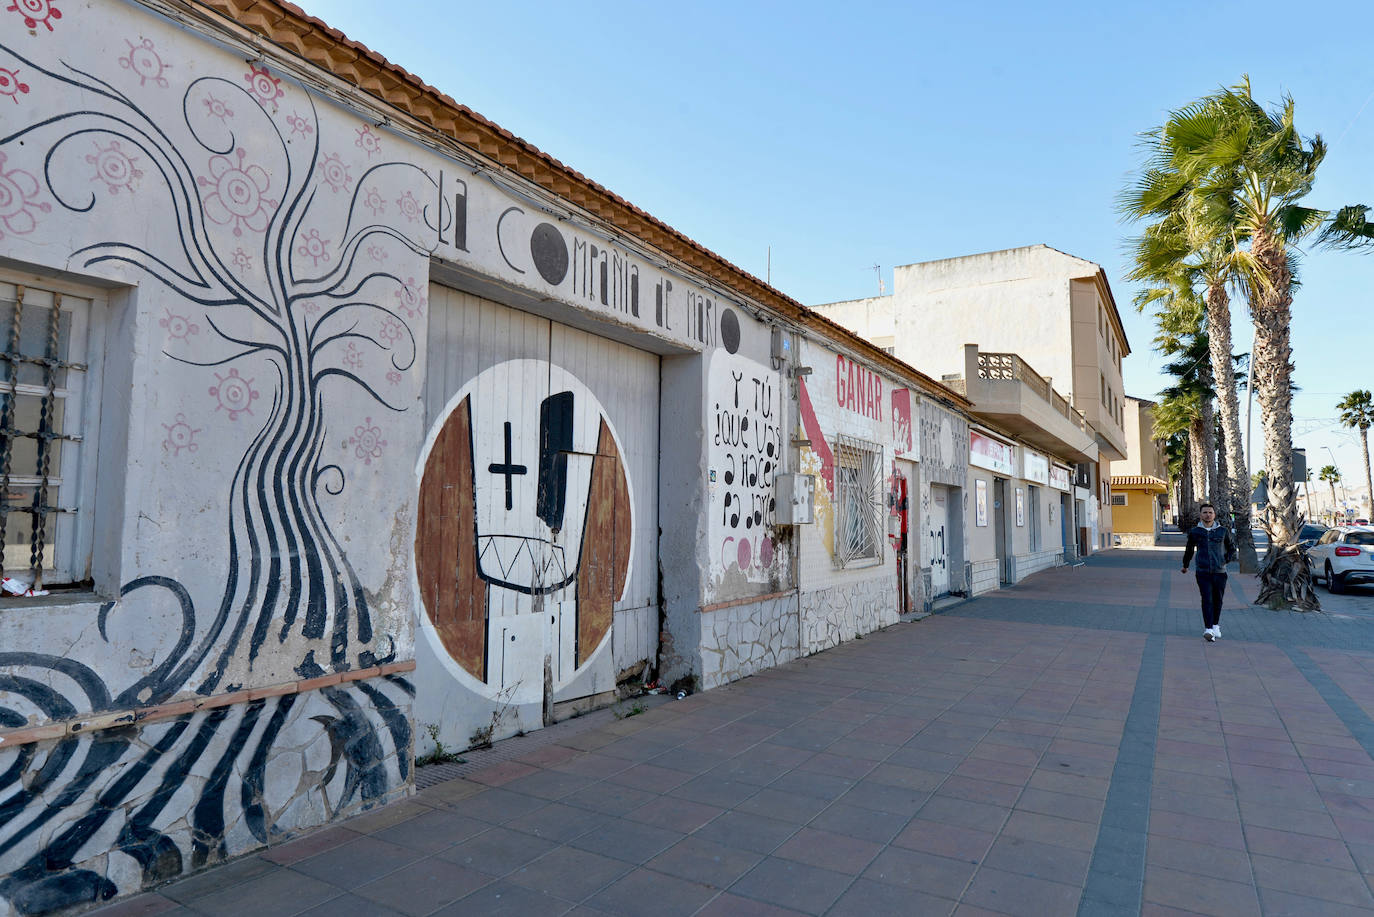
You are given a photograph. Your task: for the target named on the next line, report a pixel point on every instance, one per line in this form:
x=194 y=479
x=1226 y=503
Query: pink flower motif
x=311 y=307
x=264 y=87
x=367 y=441
x=313 y=247
x=367 y=141
x=114 y=167
x=335 y=173
x=242 y=261
x=180 y=435
x=144 y=62
x=375 y=202
x=376 y=253
x=35 y=11
x=239 y=196
x=217 y=108
x=410 y=207
x=10 y=85
x=410 y=298
x=179 y=328
x=353 y=357
x=299 y=125
x=18 y=198
x=234 y=393
x=391 y=330
x=393 y=377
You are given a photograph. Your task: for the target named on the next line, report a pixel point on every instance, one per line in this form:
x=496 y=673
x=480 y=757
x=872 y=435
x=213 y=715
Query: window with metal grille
x=1118 y=499
x=44 y=427
x=858 y=501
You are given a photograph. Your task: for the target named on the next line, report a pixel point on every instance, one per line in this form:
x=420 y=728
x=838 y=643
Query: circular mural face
x=525 y=525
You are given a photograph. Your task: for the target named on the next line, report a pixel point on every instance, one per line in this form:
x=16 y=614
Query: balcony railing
x=1008 y=367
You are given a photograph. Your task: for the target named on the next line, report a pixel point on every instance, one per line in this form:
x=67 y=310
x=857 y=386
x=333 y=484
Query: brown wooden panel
x=605 y=559
x=453 y=592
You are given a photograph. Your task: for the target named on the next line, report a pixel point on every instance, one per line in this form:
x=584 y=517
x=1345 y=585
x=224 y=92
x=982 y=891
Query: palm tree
x=1185 y=249
x=1307 y=492
x=1357 y=412
x=1331 y=475
x=1247 y=169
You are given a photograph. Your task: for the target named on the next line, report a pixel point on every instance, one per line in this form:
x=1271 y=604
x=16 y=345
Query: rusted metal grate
x=33 y=395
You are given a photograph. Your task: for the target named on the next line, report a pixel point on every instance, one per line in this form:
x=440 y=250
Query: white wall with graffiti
x=848 y=569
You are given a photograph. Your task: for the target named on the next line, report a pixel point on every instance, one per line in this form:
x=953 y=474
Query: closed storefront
x=539 y=478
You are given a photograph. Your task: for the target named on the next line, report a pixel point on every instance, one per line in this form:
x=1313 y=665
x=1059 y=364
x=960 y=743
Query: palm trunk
x=1307 y=493
x=1197 y=472
x=1333 y=501
x=1285 y=581
x=1212 y=461
x=1228 y=409
x=1368 y=484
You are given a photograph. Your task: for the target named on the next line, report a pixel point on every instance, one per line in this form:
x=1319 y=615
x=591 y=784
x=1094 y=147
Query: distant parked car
x=1309 y=533
x=1362 y=522
x=1343 y=555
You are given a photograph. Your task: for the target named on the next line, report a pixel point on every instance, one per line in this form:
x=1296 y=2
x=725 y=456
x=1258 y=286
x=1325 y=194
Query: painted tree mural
x=295 y=266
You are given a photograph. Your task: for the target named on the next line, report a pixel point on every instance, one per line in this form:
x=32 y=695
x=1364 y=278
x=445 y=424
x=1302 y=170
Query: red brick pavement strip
x=961 y=762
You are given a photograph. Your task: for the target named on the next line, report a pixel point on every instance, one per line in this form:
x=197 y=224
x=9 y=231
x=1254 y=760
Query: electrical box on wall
x=796 y=499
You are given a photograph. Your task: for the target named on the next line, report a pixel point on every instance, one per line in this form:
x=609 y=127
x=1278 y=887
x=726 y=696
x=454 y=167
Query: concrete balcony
x=1006 y=391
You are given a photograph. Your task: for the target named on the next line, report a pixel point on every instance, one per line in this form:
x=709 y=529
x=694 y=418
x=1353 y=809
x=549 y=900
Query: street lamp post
x=1345 y=497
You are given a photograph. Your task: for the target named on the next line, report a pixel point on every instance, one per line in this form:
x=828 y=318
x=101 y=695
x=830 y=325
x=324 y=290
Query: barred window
x=43 y=416
x=858 y=501
x=1118 y=499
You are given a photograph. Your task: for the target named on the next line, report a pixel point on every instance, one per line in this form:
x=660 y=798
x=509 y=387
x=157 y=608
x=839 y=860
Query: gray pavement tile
x=942 y=839
x=690 y=759
x=705 y=862
x=547 y=784
x=1343 y=886
x=497 y=851
x=591 y=764
x=1002 y=794
x=1061 y=805
x=557 y=822
x=609 y=798
x=859 y=822
x=275 y=894
x=715 y=790
x=1057 y=781
x=681 y=815
x=809 y=889
x=815 y=785
x=1284 y=904
x=1320 y=851
x=448 y=792
x=349 y=905
x=309 y=845
x=1042 y=861
x=1200 y=894
x=833 y=850
x=650 y=778
x=901 y=775
x=746 y=831
x=423 y=887
x=782 y=806
x=1022 y=895
x=1204 y=859
x=728 y=905
x=964 y=812
x=1225 y=834
x=506 y=899
x=645 y=891
x=882 y=797
x=866 y=898
x=217 y=878
x=350 y=865
x=432 y=831
x=386 y=816
x=497 y=806
x=144 y=905
x=1062 y=832
x=568 y=872
x=1288 y=820
x=631 y=841
x=920 y=871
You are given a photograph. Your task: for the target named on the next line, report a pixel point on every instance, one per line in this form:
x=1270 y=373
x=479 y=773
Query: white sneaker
x=1216 y=631
x=1208 y=635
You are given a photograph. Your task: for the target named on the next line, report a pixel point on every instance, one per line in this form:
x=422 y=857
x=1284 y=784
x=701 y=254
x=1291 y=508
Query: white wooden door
x=937 y=540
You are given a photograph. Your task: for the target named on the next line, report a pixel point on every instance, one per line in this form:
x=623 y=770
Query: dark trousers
x=1212 y=587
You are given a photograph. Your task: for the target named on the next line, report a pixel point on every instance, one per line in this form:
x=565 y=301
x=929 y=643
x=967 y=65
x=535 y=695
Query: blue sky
x=844 y=137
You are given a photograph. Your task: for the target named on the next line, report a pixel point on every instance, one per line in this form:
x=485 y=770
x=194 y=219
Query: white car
x=1343 y=555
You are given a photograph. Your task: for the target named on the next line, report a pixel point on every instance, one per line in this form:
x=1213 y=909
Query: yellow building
x=1139 y=482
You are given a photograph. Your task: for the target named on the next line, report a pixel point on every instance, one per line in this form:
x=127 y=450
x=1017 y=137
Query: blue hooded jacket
x=1215 y=548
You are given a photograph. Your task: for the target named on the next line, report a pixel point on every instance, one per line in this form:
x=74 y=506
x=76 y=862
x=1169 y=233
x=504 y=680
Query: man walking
x=1215 y=549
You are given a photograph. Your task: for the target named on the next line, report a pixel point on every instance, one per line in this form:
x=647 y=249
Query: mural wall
x=271 y=247
x=841 y=598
